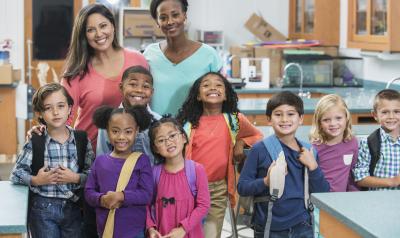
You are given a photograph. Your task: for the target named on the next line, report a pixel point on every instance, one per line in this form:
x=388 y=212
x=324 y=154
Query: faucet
x=298 y=66
x=391 y=81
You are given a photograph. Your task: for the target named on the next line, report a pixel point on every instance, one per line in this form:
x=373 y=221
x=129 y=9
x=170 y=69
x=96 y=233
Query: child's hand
x=307 y=158
x=238 y=151
x=35 y=129
x=178 y=232
x=65 y=175
x=153 y=233
x=44 y=176
x=112 y=200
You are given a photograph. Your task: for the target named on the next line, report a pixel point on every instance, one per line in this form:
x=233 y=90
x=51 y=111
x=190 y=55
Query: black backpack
x=374 y=146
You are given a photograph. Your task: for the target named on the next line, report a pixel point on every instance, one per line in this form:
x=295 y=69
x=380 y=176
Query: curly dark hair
x=140 y=114
x=155 y=3
x=192 y=108
x=152 y=135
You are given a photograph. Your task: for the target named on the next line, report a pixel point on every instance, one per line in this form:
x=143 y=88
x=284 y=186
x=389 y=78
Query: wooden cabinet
x=8 y=121
x=373 y=25
x=315 y=20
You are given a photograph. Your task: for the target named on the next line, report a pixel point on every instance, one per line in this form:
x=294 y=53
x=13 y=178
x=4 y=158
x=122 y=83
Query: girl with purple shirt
x=337 y=148
x=101 y=191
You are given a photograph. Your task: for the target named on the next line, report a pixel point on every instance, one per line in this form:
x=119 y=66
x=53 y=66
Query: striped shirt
x=55 y=154
x=388 y=166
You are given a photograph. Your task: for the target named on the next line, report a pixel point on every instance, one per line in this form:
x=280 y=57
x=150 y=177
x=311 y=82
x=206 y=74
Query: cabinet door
x=309 y=10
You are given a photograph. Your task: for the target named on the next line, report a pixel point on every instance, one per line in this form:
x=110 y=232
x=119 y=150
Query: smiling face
x=285 y=120
x=171 y=18
x=122 y=130
x=169 y=141
x=333 y=124
x=212 y=90
x=56 y=110
x=388 y=115
x=137 y=89
x=99 y=32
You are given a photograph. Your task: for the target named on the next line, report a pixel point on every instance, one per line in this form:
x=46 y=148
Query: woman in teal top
x=176 y=62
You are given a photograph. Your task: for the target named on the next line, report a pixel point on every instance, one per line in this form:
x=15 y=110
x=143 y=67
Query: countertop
x=370 y=214
x=303 y=132
x=358 y=99
x=13 y=207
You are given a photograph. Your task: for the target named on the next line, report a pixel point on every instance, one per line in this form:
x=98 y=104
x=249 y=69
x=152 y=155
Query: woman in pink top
x=94 y=66
x=181 y=197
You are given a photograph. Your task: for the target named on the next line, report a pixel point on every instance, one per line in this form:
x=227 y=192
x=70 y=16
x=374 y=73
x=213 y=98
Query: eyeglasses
x=172 y=137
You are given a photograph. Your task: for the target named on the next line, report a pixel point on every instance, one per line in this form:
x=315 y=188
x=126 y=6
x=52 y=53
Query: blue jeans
x=301 y=230
x=54 y=218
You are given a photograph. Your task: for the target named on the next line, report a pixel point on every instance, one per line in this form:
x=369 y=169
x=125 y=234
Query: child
x=289 y=214
x=55 y=173
x=332 y=137
x=137 y=89
x=105 y=188
x=217 y=132
x=177 y=210
x=378 y=165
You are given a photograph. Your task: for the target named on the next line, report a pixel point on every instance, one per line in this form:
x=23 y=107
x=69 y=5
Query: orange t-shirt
x=210 y=146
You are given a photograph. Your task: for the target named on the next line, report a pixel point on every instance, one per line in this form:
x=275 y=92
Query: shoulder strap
x=190 y=171
x=156 y=175
x=81 y=145
x=273 y=146
x=37 y=152
x=187 y=127
x=374 y=146
x=123 y=180
x=232 y=130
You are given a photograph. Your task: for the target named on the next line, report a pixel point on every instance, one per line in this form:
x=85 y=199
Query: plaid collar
x=388 y=138
x=71 y=138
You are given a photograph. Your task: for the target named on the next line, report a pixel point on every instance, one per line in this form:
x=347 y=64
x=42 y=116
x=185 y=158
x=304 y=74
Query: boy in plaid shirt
x=386 y=172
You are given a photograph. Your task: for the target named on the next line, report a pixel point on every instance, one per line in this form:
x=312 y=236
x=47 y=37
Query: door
x=48 y=27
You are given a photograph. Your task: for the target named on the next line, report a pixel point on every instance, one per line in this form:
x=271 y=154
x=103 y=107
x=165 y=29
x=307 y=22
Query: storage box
x=8 y=75
x=140 y=24
x=239 y=52
x=262 y=29
x=275 y=62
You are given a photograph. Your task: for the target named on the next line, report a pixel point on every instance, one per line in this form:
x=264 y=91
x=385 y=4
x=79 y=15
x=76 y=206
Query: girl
x=337 y=148
x=217 y=132
x=105 y=188
x=182 y=198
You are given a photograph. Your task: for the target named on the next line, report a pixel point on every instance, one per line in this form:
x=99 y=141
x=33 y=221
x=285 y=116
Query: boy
x=137 y=89
x=378 y=165
x=290 y=218
x=54 y=176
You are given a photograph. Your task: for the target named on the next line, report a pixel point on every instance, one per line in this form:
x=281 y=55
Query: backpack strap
x=81 y=145
x=234 y=129
x=273 y=146
x=190 y=171
x=374 y=146
x=38 y=145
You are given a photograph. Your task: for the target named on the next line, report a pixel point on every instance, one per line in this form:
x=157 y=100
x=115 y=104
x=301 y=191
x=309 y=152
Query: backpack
x=274 y=148
x=374 y=146
x=38 y=147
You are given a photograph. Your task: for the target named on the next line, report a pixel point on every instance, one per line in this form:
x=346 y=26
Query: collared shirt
x=388 y=166
x=55 y=154
x=142 y=140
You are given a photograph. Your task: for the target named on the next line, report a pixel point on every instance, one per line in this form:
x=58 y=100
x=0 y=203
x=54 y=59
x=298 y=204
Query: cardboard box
x=239 y=52
x=8 y=75
x=275 y=62
x=140 y=24
x=263 y=30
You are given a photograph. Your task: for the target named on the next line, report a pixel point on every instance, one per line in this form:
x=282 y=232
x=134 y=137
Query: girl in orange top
x=217 y=132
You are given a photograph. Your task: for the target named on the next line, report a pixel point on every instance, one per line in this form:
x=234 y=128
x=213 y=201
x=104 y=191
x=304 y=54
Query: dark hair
x=155 y=3
x=285 y=98
x=43 y=92
x=140 y=114
x=386 y=94
x=138 y=69
x=152 y=134
x=192 y=108
x=80 y=52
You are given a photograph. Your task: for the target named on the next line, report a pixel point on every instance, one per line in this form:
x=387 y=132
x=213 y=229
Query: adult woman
x=94 y=66
x=176 y=62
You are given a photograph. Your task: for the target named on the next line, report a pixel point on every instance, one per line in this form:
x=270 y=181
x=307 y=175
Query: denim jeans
x=54 y=218
x=301 y=230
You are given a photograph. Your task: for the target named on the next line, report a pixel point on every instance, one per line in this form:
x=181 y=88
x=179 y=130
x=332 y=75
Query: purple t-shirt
x=337 y=162
x=130 y=218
